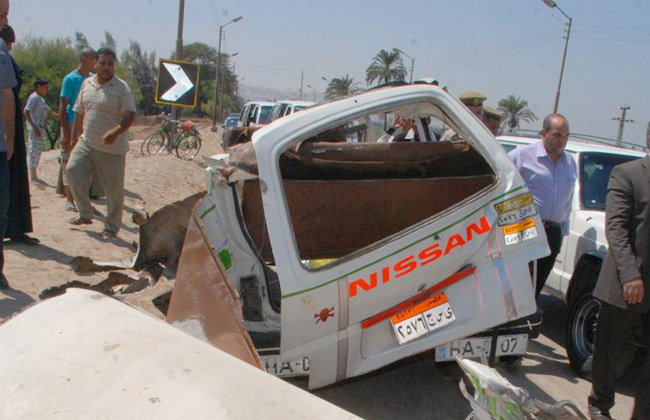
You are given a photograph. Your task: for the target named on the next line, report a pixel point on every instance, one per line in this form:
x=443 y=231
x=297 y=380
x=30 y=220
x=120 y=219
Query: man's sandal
x=79 y=221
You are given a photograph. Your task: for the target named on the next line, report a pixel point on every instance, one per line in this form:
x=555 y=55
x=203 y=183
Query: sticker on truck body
x=515 y=209
x=519 y=232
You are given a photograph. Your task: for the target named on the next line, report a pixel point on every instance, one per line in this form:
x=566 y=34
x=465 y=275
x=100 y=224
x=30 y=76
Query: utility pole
x=215 y=104
x=302 y=79
x=566 y=46
x=621 y=125
x=179 y=55
x=553 y=5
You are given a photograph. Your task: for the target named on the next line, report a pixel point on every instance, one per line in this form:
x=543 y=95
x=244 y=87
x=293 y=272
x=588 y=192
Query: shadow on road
x=414 y=388
x=13 y=301
x=419 y=388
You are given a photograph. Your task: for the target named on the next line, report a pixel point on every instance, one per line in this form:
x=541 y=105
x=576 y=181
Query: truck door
x=385 y=250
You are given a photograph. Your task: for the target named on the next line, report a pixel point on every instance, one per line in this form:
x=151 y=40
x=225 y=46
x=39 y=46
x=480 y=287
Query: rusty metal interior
x=343 y=197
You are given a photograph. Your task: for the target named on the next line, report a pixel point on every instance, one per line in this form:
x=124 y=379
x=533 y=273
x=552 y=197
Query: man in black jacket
x=623 y=285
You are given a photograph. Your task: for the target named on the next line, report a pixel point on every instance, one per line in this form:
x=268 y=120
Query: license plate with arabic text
x=421 y=319
x=274 y=365
x=475 y=347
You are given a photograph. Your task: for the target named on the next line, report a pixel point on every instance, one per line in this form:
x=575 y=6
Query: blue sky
x=498 y=47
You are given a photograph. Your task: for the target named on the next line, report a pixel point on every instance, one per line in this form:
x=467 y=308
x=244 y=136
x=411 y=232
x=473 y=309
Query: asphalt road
x=418 y=388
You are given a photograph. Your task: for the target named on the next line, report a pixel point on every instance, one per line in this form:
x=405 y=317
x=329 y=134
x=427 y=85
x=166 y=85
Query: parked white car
x=287 y=107
x=577 y=265
x=253 y=116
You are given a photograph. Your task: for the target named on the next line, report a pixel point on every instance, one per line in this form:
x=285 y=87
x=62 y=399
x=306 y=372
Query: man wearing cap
x=492 y=119
x=474 y=102
x=550 y=174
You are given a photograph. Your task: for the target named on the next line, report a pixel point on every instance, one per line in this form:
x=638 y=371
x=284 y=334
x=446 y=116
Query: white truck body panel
x=84 y=355
x=326 y=312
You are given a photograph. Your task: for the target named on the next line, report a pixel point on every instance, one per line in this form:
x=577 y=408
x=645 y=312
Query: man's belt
x=552 y=225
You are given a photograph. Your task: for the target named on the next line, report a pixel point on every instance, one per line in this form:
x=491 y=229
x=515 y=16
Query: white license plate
x=474 y=347
x=275 y=366
x=421 y=319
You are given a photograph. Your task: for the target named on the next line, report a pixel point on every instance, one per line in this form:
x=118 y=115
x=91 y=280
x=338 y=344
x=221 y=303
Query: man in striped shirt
x=105 y=110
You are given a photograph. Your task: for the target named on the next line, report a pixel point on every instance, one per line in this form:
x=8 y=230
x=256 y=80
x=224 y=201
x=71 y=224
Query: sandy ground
x=151 y=182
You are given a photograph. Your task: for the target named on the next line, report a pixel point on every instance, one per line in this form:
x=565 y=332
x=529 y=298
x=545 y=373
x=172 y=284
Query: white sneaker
x=70 y=206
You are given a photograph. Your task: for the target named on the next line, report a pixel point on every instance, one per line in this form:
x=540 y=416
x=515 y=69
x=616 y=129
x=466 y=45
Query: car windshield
x=595 y=169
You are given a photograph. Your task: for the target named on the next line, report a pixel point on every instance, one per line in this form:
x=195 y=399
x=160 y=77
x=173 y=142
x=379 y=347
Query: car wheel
x=580 y=334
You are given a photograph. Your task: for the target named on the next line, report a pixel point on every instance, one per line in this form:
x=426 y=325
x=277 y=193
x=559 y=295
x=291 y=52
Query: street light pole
x=309 y=86
x=397 y=50
x=216 y=76
x=222 y=87
x=237 y=89
x=552 y=4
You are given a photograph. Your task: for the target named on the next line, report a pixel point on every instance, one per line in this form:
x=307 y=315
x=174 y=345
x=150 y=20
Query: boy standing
x=36 y=113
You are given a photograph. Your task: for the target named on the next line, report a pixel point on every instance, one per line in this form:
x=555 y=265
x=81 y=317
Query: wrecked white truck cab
x=350 y=254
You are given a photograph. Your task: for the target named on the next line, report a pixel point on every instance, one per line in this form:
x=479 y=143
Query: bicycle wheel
x=157 y=144
x=145 y=145
x=188 y=147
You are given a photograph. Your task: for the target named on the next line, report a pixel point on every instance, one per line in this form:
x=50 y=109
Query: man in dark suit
x=623 y=285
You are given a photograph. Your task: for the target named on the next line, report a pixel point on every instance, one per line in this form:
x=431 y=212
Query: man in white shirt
x=105 y=110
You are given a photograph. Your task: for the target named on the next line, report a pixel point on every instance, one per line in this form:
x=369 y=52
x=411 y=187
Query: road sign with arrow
x=177 y=83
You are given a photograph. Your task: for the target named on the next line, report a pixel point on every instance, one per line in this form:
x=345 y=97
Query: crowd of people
x=95 y=112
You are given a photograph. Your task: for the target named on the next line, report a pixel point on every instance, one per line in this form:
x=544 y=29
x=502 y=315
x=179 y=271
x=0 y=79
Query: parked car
x=287 y=107
x=346 y=254
x=254 y=114
x=231 y=121
x=576 y=268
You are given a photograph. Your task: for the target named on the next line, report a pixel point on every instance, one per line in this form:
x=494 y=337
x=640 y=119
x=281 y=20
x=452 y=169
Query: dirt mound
x=151 y=183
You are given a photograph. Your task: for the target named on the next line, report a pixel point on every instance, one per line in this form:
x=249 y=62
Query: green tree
x=49 y=59
x=141 y=67
x=386 y=66
x=515 y=110
x=109 y=42
x=341 y=86
x=206 y=57
x=80 y=41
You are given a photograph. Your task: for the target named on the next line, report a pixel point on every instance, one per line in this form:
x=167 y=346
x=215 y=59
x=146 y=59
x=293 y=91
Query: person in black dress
x=20 y=208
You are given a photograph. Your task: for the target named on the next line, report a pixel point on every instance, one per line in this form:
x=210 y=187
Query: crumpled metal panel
x=334 y=218
x=204 y=303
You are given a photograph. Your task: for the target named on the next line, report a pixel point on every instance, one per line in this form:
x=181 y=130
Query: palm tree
x=386 y=66
x=341 y=86
x=515 y=110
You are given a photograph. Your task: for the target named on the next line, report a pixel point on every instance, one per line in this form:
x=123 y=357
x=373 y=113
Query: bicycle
x=186 y=145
